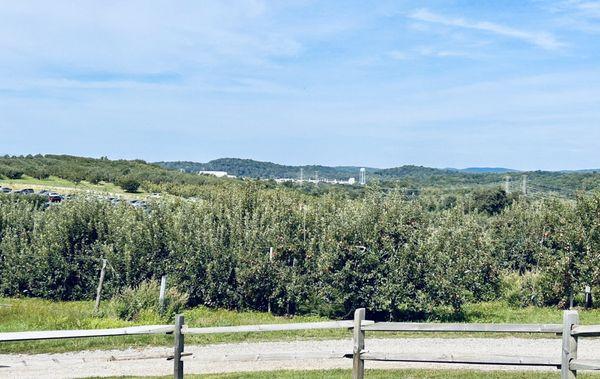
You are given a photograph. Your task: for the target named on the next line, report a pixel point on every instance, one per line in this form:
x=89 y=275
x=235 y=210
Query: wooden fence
x=568 y=364
x=570 y=330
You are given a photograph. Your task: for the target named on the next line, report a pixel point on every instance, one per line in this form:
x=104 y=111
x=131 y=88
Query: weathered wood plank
x=100 y=282
x=179 y=348
x=463 y=327
x=505 y=360
x=569 y=345
x=585 y=364
x=273 y=327
x=58 y=334
x=586 y=330
x=358 y=339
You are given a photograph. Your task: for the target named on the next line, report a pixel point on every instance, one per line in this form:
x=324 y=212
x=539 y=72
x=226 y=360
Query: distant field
x=36 y=314
x=64 y=186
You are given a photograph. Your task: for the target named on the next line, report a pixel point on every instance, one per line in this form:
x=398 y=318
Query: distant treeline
x=266 y=170
x=401 y=258
x=77 y=169
x=151 y=177
x=562 y=183
x=166 y=176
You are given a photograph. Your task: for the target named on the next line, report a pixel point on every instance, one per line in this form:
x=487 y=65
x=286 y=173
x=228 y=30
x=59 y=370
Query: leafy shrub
x=491 y=201
x=10 y=172
x=129 y=184
x=522 y=290
x=401 y=258
x=131 y=303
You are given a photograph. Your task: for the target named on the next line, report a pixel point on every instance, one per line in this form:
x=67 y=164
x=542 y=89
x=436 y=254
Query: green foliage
x=128 y=184
x=131 y=303
x=78 y=169
x=10 y=172
x=491 y=201
x=401 y=254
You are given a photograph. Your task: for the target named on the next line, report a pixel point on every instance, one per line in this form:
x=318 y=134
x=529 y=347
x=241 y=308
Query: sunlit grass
x=35 y=314
x=385 y=374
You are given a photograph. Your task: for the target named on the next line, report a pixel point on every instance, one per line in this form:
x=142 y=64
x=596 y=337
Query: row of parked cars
x=53 y=197
x=134 y=203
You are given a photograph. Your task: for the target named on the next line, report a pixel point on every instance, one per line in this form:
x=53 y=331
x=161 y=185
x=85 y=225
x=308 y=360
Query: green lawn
x=385 y=374
x=35 y=314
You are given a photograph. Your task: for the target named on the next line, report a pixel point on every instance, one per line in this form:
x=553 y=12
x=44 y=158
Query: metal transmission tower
x=507 y=184
x=316 y=176
x=301 y=174
x=363 y=178
x=524 y=185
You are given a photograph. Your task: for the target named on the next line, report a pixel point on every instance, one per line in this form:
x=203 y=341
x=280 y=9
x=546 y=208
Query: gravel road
x=264 y=356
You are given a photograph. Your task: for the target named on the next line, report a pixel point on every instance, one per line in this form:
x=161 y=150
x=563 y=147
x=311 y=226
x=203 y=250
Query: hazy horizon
x=376 y=84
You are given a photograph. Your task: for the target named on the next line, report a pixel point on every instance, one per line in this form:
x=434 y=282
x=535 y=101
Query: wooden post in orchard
x=270 y=264
x=100 y=282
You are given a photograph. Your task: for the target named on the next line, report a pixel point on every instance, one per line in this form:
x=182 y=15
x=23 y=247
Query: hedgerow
x=401 y=258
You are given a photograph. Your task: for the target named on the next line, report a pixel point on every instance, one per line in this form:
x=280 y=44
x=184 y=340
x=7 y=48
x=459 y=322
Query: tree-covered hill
x=266 y=170
x=166 y=176
x=410 y=176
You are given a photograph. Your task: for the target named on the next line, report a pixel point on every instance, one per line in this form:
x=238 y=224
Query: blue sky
x=382 y=83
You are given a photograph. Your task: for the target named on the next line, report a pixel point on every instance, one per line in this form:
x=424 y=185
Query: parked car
x=25 y=191
x=138 y=203
x=44 y=192
x=54 y=197
x=5 y=190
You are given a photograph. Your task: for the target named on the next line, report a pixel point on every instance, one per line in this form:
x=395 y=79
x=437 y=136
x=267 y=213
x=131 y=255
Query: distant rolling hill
x=487 y=170
x=408 y=176
x=266 y=170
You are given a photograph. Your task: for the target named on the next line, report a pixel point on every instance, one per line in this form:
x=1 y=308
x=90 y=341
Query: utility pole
x=524 y=185
x=507 y=184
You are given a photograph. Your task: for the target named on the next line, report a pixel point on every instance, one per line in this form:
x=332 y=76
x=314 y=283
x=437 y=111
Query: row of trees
x=400 y=257
x=77 y=169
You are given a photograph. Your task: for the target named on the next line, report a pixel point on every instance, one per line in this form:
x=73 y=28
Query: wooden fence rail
x=568 y=363
x=179 y=330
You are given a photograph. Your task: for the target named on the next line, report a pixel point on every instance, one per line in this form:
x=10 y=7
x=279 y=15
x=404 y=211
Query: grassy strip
x=36 y=314
x=384 y=374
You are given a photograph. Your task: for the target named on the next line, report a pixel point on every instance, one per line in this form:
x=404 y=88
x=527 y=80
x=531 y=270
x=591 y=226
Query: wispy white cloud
x=587 y=8
x=576 y=15
x=541 y=39
x=427 y=52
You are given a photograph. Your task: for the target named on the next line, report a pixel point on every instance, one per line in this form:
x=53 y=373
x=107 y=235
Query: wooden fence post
x=179 y=346
x=588 y=297
x=569 y=345
x=161 y=296
x=271 y=268
x=358 y=365
x=99 y=289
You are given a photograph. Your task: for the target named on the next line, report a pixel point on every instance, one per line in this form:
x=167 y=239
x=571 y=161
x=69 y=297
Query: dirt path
x=264 y=356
